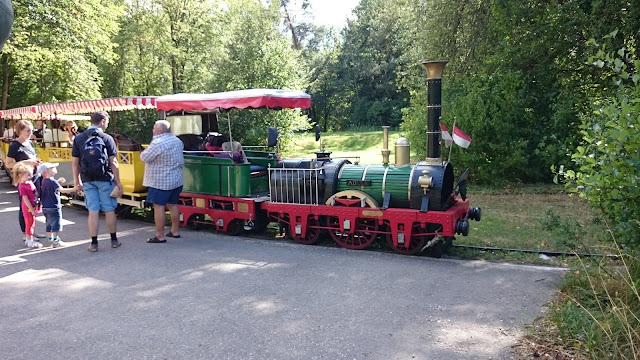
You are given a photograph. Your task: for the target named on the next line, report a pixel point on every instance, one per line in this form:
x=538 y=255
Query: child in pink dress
x=22 y=176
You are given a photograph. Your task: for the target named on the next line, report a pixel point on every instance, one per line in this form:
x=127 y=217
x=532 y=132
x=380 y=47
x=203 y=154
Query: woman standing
x=21 y=149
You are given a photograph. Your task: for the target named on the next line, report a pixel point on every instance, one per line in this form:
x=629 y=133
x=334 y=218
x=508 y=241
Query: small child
x=50 y=197
x=23 y=177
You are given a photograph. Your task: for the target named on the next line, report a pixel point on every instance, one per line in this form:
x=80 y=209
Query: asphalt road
x=211 y=296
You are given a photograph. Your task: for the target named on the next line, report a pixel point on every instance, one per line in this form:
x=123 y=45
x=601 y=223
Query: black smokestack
x=434 y=95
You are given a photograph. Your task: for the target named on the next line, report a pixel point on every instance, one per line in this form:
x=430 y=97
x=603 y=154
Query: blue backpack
x=94 y=163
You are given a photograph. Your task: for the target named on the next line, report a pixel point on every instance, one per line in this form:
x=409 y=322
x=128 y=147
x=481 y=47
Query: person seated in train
x=40 y=129
x=235 y=151
x=72 y=130
x=10 y=133
x=214 y=145
x=55 y=137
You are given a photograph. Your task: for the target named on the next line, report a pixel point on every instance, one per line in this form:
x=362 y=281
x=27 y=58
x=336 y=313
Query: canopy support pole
x=229 y=123
x=138 y=122
x=115 y=120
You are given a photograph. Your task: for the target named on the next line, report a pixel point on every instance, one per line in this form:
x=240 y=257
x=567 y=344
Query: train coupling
x=474 y=214
x=462 y=227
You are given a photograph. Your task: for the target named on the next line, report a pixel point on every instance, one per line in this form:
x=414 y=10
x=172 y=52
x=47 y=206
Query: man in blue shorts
x=163 y=176
x=95 y=171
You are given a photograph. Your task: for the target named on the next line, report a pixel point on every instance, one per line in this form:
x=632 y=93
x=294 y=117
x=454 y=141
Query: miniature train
x=413 y=208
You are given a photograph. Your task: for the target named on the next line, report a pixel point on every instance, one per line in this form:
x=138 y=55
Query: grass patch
x=345 y=144
x=595 y=316
x=546 y=219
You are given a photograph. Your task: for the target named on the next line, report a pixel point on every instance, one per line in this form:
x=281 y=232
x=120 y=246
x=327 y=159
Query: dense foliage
x=516 y=79
x=608 y=160
x=56 y=50
x=66 y=51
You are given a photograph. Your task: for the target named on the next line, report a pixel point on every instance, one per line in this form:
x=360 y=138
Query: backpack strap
x=94 y=132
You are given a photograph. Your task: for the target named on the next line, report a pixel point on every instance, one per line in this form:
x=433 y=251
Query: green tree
x=367 y=65
x=141 y=68
x=56 y=50
x=533 y=49
x=326 y=87
x=194 y=29
x=255 y=54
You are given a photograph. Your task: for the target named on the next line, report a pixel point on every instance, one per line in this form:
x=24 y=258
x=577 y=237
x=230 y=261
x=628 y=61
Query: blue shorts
x=163 y=197
x=96 y=196
x=53 y=217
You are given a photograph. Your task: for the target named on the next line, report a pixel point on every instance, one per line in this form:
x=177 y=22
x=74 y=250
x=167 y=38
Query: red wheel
x=365 y=233
x=417 y=242
x=313 y=232
x=365 y=230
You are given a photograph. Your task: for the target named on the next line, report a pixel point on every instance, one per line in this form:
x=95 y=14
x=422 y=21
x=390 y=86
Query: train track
x=379 y=246
x=533 y=251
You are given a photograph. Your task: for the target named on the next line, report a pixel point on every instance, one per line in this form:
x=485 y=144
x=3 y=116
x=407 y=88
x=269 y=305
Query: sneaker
x=115 y=244
x=40 y=236
x=33 y=244
x=93 y=248
x=57 y=243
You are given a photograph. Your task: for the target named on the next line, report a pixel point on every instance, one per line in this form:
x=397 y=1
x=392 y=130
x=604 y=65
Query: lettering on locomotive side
x=358 y=182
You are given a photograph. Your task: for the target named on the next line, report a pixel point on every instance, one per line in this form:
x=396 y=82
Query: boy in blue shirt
x=50 y=199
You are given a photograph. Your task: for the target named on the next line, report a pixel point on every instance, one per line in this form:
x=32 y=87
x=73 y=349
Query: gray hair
x=164 y=125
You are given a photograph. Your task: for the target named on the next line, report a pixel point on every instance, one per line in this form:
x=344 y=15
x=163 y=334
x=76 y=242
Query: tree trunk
x=174 y=74
x=5 y=81
x=294 y=37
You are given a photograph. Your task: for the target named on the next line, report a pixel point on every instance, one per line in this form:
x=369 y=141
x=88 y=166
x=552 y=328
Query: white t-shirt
x=8 y=133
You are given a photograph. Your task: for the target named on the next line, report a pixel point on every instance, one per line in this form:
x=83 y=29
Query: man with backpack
x=95 y=172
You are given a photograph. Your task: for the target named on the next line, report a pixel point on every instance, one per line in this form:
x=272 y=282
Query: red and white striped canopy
x=239 y=99
x=80 y=107
x=27 y=112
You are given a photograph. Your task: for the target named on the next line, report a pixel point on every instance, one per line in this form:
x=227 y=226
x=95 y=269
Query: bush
x=608 y=162
x=515 y=138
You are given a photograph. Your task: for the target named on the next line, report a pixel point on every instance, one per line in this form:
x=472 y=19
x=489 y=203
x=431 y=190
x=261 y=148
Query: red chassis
x=350 y=225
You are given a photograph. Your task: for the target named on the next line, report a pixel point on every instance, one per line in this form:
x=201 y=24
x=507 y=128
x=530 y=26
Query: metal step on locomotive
x=413 y=208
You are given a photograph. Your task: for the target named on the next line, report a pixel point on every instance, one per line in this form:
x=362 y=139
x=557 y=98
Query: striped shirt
x=164 y=161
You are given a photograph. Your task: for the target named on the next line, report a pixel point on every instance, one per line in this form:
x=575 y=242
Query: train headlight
x=425 y=181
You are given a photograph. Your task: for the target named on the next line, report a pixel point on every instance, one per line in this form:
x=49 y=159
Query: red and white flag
x=446 y=136
x=460 y=138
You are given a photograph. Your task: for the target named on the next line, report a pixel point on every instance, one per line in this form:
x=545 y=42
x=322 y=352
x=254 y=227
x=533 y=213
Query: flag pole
x=455 y=118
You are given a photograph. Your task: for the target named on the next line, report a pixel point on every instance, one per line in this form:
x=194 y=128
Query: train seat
x=126 y=143
x=295 y=164
x=256 y=168
x=54 y=138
